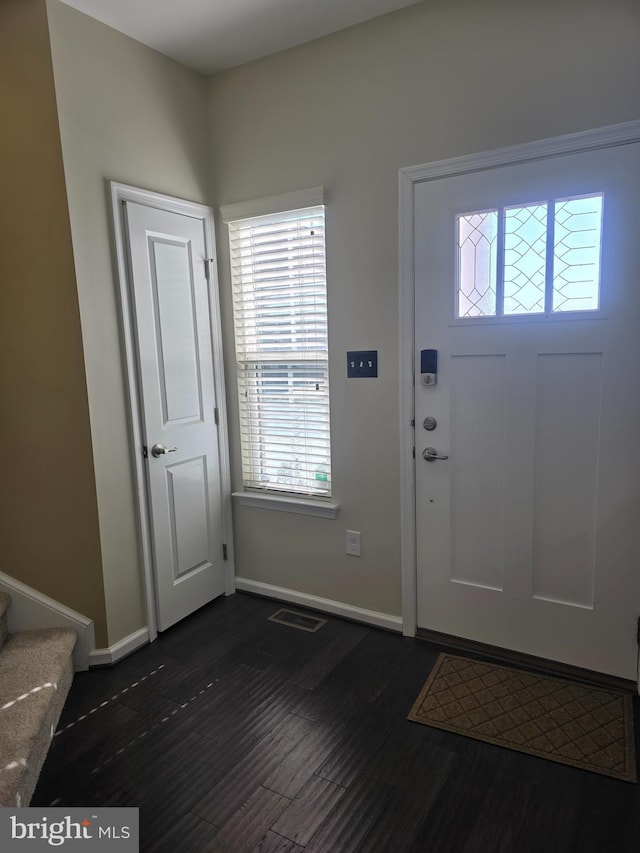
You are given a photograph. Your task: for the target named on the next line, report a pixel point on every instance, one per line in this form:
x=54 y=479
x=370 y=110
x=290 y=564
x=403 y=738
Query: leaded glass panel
x=525 y=249
x=477 y=263
x=528 y=259
x=576 y=253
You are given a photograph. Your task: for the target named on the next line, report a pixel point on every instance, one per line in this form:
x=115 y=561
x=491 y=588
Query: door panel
x=176 y=332
x=527 y=535
x=190 y=516
x=167 y=254
x=477 y=469
x=568 y=396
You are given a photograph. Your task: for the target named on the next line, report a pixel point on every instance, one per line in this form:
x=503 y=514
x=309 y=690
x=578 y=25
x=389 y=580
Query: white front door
x=171 y=307
x=528 y=534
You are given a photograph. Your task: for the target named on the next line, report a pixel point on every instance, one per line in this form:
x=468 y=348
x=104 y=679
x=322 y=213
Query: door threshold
x=575 y=673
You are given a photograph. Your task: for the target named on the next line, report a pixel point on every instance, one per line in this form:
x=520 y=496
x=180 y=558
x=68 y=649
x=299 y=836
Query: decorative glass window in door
x=532 y=259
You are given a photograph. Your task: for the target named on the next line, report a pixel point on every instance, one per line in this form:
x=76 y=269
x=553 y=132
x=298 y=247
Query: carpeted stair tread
x=36 y=670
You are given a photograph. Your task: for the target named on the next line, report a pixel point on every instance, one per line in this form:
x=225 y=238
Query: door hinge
x=216 y=415
x=413 y=422
x=145 y=452
x=413 y=452
x=207 y=267
x=224 y=552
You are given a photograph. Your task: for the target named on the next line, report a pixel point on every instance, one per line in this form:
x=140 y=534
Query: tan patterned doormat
x=576 y=724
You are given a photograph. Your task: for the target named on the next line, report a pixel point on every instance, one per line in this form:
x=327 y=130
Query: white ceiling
x=210 y=35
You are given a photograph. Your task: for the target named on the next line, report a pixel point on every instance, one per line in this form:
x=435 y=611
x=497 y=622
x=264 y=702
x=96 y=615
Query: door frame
x=574 y=143
x=120 y=193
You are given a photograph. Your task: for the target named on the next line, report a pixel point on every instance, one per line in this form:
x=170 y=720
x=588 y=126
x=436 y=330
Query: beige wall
x=347 y=111
x=127 y=114
x=444 y=78
x=48 y=514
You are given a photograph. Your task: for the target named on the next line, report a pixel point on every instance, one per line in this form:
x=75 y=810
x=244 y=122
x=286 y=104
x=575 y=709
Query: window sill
x=303 y=506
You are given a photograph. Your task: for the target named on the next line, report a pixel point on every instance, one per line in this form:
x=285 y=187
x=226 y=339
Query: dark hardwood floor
x=233 y=733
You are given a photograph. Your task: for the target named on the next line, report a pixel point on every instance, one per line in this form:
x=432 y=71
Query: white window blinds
x=278 y=275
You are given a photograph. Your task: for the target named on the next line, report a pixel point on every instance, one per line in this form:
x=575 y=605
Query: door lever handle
x=430 y=454
x=160 y=450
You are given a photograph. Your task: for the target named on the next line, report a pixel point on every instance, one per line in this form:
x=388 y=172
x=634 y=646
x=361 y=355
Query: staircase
x=36 y=670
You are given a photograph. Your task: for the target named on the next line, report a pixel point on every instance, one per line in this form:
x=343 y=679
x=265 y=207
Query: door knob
x=431 y=454
x=160 y=450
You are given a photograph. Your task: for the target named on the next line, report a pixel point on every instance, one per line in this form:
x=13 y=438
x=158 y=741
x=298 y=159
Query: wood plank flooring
x=233 y=733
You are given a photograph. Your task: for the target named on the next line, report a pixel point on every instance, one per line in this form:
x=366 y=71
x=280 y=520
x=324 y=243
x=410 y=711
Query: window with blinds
x=278 y=275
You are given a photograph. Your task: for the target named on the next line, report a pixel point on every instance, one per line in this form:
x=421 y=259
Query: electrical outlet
x=354 y=543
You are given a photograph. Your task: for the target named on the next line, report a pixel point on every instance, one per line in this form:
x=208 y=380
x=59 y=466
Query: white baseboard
x=325 y=605
x=124 y=647
x=30 y=610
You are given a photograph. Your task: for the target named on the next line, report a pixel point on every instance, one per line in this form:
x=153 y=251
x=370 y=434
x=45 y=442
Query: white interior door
x=171 y=305
x=528 y=533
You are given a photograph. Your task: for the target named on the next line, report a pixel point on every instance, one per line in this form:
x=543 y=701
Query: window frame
x=549 y=314
x=289 y=500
